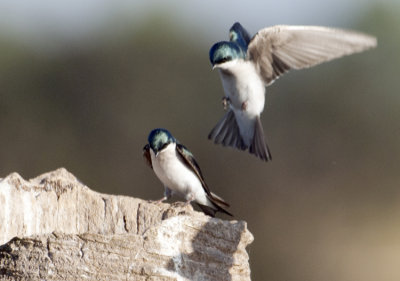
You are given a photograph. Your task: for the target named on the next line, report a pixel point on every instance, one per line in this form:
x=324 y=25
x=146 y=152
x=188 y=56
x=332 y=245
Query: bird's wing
x=146 y=155
x=238 y=34
x=191 y=163
x=219 y=201
x=277 y=49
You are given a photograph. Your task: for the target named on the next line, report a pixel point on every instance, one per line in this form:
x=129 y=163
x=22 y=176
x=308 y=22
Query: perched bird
x=247 y=65
x=177 y=169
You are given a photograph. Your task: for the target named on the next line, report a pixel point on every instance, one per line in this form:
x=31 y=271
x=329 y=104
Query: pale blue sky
x=74 y=18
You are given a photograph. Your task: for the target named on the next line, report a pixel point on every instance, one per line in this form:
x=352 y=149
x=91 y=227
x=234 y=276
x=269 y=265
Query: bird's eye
x=225 y=59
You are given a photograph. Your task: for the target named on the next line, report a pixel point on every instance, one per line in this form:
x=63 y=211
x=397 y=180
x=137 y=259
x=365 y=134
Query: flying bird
x=176 y=168
x=247 y=65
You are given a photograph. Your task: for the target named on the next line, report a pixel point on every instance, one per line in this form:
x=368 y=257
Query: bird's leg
x=159 y=200
x=189 y=199
x=167 y=195
x=225 y=102
x=244 y=105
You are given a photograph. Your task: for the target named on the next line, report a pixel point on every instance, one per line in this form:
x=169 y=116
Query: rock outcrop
x=53 y=227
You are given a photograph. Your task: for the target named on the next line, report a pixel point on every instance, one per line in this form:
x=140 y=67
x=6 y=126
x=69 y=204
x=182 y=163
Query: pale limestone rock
x=65 y=231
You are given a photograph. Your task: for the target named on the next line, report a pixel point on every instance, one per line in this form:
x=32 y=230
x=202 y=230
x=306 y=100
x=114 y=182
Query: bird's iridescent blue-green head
x=225 y=51
x=159 y=139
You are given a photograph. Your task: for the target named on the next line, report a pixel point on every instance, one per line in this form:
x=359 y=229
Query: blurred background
x=82 y=83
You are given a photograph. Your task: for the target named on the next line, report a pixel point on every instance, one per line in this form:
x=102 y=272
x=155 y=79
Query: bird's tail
x=218 y=200
x=217 y=205
x=207 y=210
x=227 y=133
x=259 y=147
x=212 y=211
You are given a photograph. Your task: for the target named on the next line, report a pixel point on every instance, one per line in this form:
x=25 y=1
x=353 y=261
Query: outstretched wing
x=147 y=156
x=277 y=49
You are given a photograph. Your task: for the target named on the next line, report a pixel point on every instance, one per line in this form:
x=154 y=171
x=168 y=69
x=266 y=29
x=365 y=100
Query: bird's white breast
x=177 y=176
x=242 y=84
x=246 y=91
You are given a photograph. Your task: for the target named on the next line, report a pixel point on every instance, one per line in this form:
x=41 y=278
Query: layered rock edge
x=54 y=227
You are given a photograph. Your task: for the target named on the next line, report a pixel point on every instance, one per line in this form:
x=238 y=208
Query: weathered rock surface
x=62 y=230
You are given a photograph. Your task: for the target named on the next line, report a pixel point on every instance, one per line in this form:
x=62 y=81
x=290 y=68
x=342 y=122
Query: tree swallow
x=247 y=65
x=176 y=168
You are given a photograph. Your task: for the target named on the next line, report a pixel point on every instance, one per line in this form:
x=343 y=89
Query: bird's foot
x=189 y=200
x=225 y=102
x=187 y=203
x=244 y=106
x=159 y=201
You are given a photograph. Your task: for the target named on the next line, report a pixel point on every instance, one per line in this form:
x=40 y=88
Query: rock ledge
x=57 y=228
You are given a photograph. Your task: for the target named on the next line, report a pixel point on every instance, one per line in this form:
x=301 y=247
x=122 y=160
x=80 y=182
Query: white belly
x=243 y=85
x=176 y=176
x=246 y=92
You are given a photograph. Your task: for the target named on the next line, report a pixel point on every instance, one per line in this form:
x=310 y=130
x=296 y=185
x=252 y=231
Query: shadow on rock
x=214 y=253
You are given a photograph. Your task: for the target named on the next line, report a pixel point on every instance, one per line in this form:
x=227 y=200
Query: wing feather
x=188 y=158
x=191 y=163
x=147 y=156
x=277 y=49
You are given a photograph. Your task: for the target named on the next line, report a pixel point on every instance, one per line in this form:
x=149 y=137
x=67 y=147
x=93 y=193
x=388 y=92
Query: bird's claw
x=225 y=102
x=158 y=201
x=244 y=106
x=189 y=200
